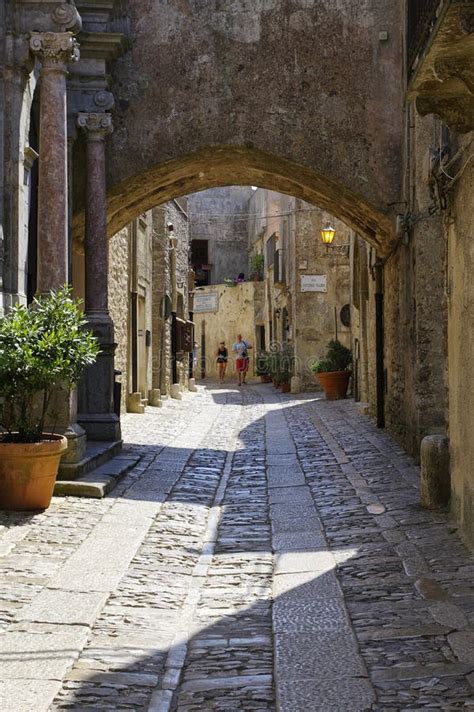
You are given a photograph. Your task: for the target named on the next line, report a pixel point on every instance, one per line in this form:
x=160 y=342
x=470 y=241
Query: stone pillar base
x=295 y=384
x=192 y=385
x=135 y=403
x=76 y=444
x=435 y=482
x=96 y=390
x=154 y=397
x=175 y=391
x=101 y=426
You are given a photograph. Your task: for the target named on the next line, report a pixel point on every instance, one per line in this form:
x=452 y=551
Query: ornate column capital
x=66 y=17
x=96 y=125
x=54 y=49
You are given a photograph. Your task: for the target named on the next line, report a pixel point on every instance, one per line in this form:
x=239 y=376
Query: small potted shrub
x=41 y=348
x=334 y=371
x=263 y=367
x=285 y=369
x=257 y=264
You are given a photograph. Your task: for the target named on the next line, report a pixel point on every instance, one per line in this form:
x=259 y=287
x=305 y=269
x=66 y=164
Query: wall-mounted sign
x=314 y=283
x=205 y=302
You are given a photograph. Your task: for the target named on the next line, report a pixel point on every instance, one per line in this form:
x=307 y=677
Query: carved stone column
x=54 y=50
x=96 y=405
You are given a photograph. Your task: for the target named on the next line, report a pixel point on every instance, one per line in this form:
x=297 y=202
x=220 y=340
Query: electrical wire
x=246 y=216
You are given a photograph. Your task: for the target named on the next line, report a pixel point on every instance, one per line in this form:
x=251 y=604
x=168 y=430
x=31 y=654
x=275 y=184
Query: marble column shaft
x=54 y=50
x=96 y=126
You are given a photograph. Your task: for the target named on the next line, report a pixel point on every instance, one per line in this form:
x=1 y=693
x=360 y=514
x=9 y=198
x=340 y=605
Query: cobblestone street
x=267 y=553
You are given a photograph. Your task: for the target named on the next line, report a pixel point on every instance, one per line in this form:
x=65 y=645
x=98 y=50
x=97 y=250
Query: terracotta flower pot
x=285 y=387
x=334 y=383
x=266 y=379
x=28 y=472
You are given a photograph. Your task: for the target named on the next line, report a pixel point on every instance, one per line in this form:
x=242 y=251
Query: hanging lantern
x=327 y=234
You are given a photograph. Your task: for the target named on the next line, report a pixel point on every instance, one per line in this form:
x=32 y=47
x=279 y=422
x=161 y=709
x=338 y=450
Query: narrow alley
x=268 y=552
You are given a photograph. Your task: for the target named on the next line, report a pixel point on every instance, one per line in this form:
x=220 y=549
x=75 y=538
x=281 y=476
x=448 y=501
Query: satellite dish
x=165 y=306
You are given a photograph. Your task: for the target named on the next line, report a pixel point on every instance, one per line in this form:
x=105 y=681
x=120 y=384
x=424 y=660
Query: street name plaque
x=205 y=302
x=314 y=283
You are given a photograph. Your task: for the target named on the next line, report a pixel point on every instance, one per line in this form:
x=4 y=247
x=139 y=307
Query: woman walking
x=222 y=356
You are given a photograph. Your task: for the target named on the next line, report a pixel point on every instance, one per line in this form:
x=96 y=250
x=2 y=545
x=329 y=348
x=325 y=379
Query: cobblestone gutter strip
x=400 y=568
x=318 y=665
x=69 y=572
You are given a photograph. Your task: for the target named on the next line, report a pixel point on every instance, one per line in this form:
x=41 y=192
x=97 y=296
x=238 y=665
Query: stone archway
x=301 y=96
x=229 y=165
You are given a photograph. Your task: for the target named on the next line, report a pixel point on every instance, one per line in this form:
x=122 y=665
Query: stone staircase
x=104 y=465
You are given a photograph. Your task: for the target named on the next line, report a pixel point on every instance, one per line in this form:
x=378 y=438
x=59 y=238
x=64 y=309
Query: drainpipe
x=174 y=304
x=379 y=339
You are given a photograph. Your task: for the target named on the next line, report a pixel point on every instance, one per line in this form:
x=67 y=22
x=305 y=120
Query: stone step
x=100 y=481
x=97 y=453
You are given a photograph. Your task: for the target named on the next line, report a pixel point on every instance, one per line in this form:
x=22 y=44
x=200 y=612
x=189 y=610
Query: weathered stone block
x=435 y=482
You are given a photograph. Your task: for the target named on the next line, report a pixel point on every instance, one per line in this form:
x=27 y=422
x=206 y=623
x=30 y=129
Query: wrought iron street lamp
x=327 y=236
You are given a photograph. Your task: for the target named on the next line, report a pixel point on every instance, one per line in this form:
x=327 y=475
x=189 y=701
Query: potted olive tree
x=41 y=348
x=333 y=371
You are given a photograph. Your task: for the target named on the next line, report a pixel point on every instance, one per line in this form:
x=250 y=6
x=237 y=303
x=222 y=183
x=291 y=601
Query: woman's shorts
x=242 y=364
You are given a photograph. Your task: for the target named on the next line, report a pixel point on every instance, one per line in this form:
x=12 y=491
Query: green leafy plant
x=262 y=364
x=41 y=347
x=338 y=358
x=280 y=365
x=257 y=264
x=230 y=282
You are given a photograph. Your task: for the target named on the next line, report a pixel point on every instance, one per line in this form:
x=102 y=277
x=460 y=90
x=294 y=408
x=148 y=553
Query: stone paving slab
x=343 y=694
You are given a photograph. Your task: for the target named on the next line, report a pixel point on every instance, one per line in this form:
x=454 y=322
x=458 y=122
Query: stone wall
x=161 y=327
x=460 y=291
x=220 y=217
x=237 y=310
x=313 y=317
x=317 y=315
x=173 y=213
x=119 y=304
x=265 y=74
x=139 y=270
x=415 y=305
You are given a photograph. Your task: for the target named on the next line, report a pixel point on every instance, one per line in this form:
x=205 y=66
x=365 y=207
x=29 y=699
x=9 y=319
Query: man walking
x=241 y=348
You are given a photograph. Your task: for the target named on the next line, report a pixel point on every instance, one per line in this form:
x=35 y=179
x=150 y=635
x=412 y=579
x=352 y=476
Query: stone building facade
x=239 y=310
x=279 y=308
x=306 y=285
x=218 y=230
x=140 y=298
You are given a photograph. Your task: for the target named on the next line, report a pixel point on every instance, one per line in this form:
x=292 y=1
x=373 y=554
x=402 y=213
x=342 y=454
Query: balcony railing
x=421 y=19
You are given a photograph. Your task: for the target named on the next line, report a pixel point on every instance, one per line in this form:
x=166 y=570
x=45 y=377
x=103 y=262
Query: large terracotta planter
x=28 y=472
x=334 y=383
x=285 y=387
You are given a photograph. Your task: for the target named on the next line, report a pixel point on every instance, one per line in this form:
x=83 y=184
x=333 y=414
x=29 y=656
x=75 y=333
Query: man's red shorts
x=242 y=364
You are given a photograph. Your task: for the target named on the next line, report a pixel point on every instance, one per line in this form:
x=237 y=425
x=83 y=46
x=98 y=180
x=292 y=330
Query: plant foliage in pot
x=285 y=369
x=334 y=371
x=41 y=348
x=263 y=367
x=257 y=264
